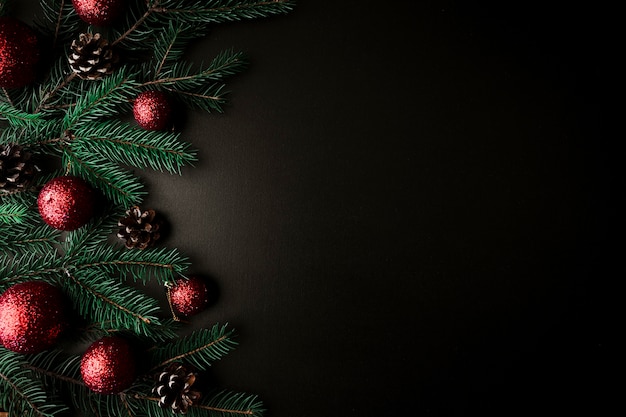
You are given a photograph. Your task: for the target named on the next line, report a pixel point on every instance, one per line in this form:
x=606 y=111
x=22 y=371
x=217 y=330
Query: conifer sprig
x=21 y=394
x=122 y=143
x=112 y=305
x=200 y=349
x=25 y=238
x=218 y=11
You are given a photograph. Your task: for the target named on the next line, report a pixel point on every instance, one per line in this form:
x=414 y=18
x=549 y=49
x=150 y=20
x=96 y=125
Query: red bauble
x=108 y=365
x=99 y=12
x=189 y=296
x=32 y=316
x=19 y=53
x=152 y=110
x=66 y=203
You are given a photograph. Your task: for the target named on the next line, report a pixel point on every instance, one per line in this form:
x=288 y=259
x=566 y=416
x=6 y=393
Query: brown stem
x=6 y=94
x=58 y=25
x=55 y=375
x=51 y=94
x=137 y=23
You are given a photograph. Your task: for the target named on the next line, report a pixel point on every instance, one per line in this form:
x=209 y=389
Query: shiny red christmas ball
x=108 y=365
x=32 y=317
x=152 y=110
x=189 y=296
x=99 y=12
x=66 y=203
x=19 y=53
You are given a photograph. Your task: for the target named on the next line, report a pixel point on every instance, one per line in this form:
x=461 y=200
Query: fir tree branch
x=115 y=306
x=16 y=268
x=16 y=117
x=27 y=395
x=48 y=96
x=54 y=375
x=221 y=11
x=201 y=348
x=101 y=99
x=108 y=300
x=162 y=264
x=120 y=187
x=122 y=143
x=137 y=24
x=12 y=213
x=225 y=64
x=58 y=20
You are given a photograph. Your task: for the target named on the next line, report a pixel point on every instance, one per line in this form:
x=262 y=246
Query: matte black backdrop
x=405 y=209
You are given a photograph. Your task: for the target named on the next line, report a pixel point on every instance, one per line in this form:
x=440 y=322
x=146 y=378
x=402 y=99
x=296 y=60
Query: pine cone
x=140 y=229
x=16 y=168
x=173 y=386
x=92 y=57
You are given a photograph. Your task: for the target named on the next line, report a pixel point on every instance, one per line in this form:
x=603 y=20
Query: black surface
x=407 y=209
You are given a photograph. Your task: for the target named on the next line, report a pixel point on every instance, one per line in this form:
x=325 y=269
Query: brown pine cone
x=139 y=229
x=92 y=57
x=173 y=387
x=16 y=168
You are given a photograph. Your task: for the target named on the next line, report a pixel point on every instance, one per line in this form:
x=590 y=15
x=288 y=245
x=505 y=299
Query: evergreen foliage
x=83 y=127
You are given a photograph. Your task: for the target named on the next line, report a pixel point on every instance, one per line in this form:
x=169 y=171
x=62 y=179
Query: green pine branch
x=140 y=22
x=219 y=11
x=115 y=306
x=169 y=47
x=182 y=76
x=203 y=88
x=58 y=21
x=21 y=267
x=103 y=99
x=200 y=349
x=28 y=238
x=161 y=265
x=125 y=144
x=21 y=394
x=13 y=213
x=18 y=118
x=118 y=185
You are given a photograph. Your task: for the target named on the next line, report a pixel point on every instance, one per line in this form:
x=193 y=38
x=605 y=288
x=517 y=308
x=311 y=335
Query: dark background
x=407 y=208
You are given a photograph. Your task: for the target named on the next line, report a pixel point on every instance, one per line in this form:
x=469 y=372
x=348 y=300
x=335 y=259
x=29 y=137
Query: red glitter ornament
x=66 y=203
x=32 y=317
x=108 y=366
x=19 y=53
x=188 y=296
x=99 y=12
x=152 y=110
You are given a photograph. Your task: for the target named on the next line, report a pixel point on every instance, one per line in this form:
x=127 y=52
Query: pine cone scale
x=174 y=388
x=16 y=168
x=92 y=56
x=139 y=229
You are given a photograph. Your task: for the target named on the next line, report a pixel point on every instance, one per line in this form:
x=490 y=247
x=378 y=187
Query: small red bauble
x=66 y=203
x=19 y=53
x=152 y=110
x=32 y=317
x=188 y=296
x=99 y=12
x=108 y=366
